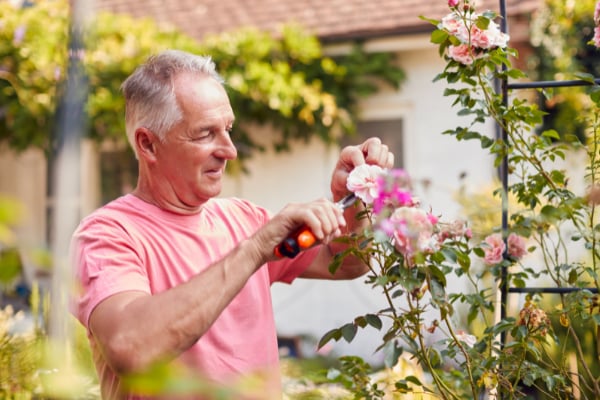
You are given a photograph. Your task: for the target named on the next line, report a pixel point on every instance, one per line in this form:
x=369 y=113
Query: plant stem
x=465 y=354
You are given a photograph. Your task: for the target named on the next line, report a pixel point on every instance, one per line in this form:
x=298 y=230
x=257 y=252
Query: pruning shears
x=303 y=238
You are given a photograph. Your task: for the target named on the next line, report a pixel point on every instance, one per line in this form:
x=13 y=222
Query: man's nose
x=227 y=149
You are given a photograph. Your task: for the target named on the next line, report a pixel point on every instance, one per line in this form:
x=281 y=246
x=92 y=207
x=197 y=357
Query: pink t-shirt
x=132 y=245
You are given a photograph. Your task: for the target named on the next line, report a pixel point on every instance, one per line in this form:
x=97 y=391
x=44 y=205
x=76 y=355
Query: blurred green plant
x=11 y=267
x=560 y=32
x=31 y=364
x=34 y=367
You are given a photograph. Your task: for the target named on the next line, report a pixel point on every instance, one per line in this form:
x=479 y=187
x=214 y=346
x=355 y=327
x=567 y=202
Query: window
x=388 y=130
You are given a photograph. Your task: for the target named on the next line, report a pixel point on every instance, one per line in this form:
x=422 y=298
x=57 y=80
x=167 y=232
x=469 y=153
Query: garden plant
x=548 y=344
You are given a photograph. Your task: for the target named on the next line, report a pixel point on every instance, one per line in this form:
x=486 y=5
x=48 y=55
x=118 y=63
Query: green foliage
x=353 y=374
x=11 y=266
x=32 y=365
x=560 y=34
x=33 y=57
x=19 y=358
x=286 y=81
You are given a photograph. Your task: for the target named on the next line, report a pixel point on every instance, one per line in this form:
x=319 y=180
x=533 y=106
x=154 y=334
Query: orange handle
x=300 y=240
x=305 y=238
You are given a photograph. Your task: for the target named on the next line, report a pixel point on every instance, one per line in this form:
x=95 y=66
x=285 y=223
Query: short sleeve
x=106 y=262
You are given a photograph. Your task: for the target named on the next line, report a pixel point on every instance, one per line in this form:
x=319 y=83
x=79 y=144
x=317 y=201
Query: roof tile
x=330 y=20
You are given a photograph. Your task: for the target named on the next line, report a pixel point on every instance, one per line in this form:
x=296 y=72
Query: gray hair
x=150 y=100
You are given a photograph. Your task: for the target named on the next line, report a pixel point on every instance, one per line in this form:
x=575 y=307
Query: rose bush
x=469 y=344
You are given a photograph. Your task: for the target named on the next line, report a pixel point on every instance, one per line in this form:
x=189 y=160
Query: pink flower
x=413 y=231
x=454 y=230
x=495 y=37
x=462 y=54
x=494 y=248
x=19 y=34
x=470 y=35
x=516 y=246
x=394 y=191
x=453 y=3
x=597 y=14
x=362 y=181
x=454 y=25
x=597 y=36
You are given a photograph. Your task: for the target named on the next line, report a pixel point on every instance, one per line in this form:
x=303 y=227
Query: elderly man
x=169 y=271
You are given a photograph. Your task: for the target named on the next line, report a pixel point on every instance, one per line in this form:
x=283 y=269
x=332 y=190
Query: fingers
x=324 y=219
x=371 y=151
x=377 y=153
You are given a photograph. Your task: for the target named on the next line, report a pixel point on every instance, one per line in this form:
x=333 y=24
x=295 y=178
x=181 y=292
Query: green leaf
x=584 y=76
x=10 y=265
x=434 y=357
x=392 y=355
x=519 y=282
x=334 y=334
x=374 y=321
x=573 y=276
x=437 y=275
x=551 y=133
x=432 y=21
x=439 y=36
x=349 y=332
x=360 y=321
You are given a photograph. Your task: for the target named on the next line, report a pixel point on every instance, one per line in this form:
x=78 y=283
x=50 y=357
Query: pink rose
x=363 y=181
x=454 y=25
x=462 y=54
x=494 y=248
x=516 y=246
x=454 y=230
x=480 y=38
x=413 y=231
x=394 y=191
x=468 y=33
x=495 y=36
x=597 y=36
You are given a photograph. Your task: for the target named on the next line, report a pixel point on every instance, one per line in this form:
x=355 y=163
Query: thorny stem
x=445 y=391
x=518 y=370
x=465 y=354
x=581 y=358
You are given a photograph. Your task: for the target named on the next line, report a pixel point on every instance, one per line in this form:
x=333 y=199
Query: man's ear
x=145 y=143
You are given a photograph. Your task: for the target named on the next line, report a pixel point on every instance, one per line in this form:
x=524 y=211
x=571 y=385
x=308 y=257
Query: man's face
x=191 y=160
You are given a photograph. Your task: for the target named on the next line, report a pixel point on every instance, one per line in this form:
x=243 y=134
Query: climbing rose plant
x=469 y=349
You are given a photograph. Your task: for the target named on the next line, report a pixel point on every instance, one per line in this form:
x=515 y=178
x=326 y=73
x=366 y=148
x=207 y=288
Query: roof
x=330 y=20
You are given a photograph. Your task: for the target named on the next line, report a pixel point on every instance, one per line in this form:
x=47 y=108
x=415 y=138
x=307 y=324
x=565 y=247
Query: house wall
x=23 y=179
